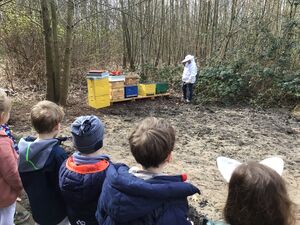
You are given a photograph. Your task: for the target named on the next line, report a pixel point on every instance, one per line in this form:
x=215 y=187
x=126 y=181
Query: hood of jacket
x=34 y=154
x=134 y=197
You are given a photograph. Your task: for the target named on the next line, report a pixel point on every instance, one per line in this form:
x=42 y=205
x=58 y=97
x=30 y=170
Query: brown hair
x=45 y=115
x=152 y=141
x=5 y=103
x=258 y=195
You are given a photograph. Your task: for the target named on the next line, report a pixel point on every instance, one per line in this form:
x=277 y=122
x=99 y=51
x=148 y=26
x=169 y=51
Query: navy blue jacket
x=38 y=167
x=128 y=200
x=81 y=186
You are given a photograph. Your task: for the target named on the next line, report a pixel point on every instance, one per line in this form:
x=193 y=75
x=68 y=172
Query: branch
x=4 y=3
x=109 y=8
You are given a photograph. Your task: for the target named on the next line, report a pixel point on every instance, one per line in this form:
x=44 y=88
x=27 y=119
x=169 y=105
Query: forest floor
x=203 y=134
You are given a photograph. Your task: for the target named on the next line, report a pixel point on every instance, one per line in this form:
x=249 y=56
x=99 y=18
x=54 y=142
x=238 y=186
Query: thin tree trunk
x=56 y=61
x=214 y=26
x=50 y=74
x=128 y=40
x=67 y=54
x=160 y=33
x=229 y=34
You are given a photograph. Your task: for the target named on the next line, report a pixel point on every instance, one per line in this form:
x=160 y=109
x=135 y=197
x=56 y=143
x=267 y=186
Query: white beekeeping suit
x=190 y=69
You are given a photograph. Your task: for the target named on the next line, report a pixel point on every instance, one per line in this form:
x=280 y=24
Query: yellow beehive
x=99 y=102
x=98 y=87
x=147 y=89
x=98 y=92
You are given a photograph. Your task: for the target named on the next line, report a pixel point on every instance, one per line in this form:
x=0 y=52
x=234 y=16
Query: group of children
x=87 y=188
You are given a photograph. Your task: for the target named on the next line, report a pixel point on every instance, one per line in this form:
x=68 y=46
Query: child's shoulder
x=165 y=178
x=59 y=151
x=4 y=139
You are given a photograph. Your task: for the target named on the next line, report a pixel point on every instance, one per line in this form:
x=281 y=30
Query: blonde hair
x=45 y=115
x=5 y=104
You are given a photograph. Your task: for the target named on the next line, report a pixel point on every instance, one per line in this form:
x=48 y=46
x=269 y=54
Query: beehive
x=99 y=102
x=116 y=90
x=98 y=92
x=131 y=91
x=132 y=79
x=116 y=84
x=161 y=87
x=147 y=89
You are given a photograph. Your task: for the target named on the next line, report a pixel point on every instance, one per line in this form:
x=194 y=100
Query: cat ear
x=226 y=167
x=274 y=163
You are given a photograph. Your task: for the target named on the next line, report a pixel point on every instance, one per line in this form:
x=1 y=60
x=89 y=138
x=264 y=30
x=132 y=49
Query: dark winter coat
x=39 y=165
x=81 y=187
x=128 y=200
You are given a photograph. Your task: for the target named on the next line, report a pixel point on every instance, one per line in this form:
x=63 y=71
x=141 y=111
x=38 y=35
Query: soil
x=203 y=134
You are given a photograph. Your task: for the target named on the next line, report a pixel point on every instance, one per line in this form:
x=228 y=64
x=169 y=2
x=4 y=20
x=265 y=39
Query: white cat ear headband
x=226 y=165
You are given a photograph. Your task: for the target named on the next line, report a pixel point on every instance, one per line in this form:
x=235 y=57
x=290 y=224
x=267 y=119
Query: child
x=81 y=176
x=147 y=196
x=10 y=182
x=256 y=194
x=39 y=165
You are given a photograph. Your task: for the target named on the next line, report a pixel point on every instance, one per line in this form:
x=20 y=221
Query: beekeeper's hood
x=188 y=58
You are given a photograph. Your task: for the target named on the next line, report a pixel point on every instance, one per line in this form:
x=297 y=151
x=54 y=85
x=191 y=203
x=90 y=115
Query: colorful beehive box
x=132 y=79
x=116 y=84
x=117 y=94
x=161 y=87
x=131 y=91
x=98 y=91
x=98 y=87
x=99 y=102
x=147 y=89
x=116 y=78
x=116 y=89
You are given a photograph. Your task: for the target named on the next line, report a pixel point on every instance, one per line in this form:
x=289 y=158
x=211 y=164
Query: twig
x=2 y=4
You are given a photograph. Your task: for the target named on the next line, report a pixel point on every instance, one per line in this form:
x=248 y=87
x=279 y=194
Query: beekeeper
x=188 y=77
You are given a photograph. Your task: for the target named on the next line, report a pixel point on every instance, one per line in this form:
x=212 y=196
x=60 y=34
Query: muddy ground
x=203 y=134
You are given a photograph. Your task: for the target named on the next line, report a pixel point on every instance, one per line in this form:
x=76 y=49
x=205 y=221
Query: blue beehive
x=131 y=91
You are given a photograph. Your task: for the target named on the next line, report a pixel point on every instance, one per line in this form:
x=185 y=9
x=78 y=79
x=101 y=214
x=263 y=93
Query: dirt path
x=203 y=133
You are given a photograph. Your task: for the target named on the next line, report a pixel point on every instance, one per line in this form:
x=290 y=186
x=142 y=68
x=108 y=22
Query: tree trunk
x=128 y=41
x=67 y=54
x=56 y=61
x=214 y=26
x=162 y=20
x=229 y=34
x=50 y=74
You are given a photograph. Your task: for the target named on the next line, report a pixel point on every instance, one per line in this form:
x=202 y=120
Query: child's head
x=5 y=107
x=88 y=134
x=152 y=142
x=257 y=195
x=46 y=117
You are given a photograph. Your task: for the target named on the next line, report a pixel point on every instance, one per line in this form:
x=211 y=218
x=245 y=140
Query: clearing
x=203 y=134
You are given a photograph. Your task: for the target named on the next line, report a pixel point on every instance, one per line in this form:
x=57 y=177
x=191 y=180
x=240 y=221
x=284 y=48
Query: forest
x=246 y=101
x=247 y=51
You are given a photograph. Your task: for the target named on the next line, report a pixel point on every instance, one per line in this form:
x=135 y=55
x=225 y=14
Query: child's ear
x=169 y=158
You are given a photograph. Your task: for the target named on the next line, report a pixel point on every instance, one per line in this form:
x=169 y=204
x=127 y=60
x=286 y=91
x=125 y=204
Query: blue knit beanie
x=88 y=134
